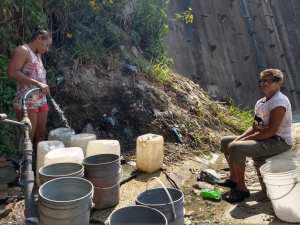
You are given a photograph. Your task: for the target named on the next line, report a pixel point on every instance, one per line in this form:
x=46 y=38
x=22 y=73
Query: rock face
x=231 y=41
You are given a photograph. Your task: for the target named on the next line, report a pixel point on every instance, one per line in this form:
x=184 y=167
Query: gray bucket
x=57 y=170
x=169 y=201
x=104 y=171
x=137 y=215
x=65 y=201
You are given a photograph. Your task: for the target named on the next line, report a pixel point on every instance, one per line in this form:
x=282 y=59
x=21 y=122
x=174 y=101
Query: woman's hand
x=44 y=88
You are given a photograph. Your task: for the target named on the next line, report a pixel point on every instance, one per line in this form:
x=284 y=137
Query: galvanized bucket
x=65 y=201
x=57 y=170
x=139 y=215
x=104 y=171
x=169 y=201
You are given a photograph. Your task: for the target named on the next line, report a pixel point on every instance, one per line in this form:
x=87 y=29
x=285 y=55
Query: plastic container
x=61 y=134
x=98 y=147
x=64 y=155
x=42 y=149
x=149 y=152
x=282 y=180
x=82 y=140
x=209 y=194
x=291 y=155
x=65 y=201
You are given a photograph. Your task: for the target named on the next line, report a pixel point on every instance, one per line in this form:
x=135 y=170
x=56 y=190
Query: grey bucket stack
x=104 y=171
x=65 y=201
x=139 y=215
x=169 y=201
x=50 y=172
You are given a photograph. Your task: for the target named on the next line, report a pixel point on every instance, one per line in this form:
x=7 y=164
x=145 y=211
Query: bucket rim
x=168 y=203
x=83 y=135
x=106 y=140
x=280 y=174
x=62 y=175
x=91 y=192
x=138 y=206
x=85 y=163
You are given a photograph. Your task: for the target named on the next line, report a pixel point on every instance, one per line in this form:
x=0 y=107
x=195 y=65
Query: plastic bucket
x=57 y=170
x=65 y=201
x=137 y=215
x=282 y=180
x=291 y=155
x=169 y=201
x=104 y=171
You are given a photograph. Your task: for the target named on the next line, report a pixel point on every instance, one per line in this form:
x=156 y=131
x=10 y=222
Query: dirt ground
x=253 y=211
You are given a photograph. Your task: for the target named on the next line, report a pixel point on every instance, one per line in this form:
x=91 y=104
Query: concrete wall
x=231 y=41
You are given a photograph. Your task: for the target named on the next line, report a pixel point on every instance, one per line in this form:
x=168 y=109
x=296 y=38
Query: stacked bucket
x=65 y=197
x=104 y=171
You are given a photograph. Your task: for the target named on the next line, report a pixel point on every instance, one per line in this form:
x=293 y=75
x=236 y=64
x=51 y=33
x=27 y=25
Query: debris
x=8 y=173
x=211 y=194
x=88 y=129
x=208 y=177
x=4 y=212
x=177 y=134
x=203 y=185
x=129 y=69
x=131 y=163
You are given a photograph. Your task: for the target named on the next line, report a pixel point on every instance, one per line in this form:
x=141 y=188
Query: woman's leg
x=225 y=141
x=41 y=128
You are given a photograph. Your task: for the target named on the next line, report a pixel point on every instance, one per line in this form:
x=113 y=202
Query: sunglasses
x=263 y=81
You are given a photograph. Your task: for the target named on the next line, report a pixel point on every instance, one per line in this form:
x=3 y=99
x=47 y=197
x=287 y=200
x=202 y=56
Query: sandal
x=235 y=196
x=211 y=179
x=207 y=177
x=227 y=183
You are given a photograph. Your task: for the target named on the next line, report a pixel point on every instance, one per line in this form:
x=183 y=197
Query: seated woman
x=270 y=134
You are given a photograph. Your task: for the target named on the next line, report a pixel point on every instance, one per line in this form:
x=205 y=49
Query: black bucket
x=137 y=215
x=65 y=201
x=57 y=170
x=169 y=201
x=104 y=171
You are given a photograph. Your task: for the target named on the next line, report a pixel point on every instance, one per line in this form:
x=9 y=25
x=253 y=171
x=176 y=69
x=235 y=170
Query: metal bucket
x=57 y=170
x=65 y=201
x=169 y=201
x=104 y=171
x=140 y=215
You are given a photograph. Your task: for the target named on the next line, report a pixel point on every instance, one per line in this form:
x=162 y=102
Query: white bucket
x=290 y=155
x=282 y=179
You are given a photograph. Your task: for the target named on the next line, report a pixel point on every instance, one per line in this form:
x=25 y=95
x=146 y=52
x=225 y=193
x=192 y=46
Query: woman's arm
x=15 y=66
x=276 y=117
x=248 y=132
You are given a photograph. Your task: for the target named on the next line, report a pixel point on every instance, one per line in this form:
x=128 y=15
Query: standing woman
x=26 y=67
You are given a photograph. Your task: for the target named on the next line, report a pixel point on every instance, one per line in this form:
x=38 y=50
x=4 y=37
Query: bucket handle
x=278 y=198
x=167 y=193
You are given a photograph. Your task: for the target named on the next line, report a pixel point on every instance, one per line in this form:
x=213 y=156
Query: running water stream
x=60 y=112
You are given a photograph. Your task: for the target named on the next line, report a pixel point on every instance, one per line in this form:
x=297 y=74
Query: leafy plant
x=150 y=25
x=186 y=16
